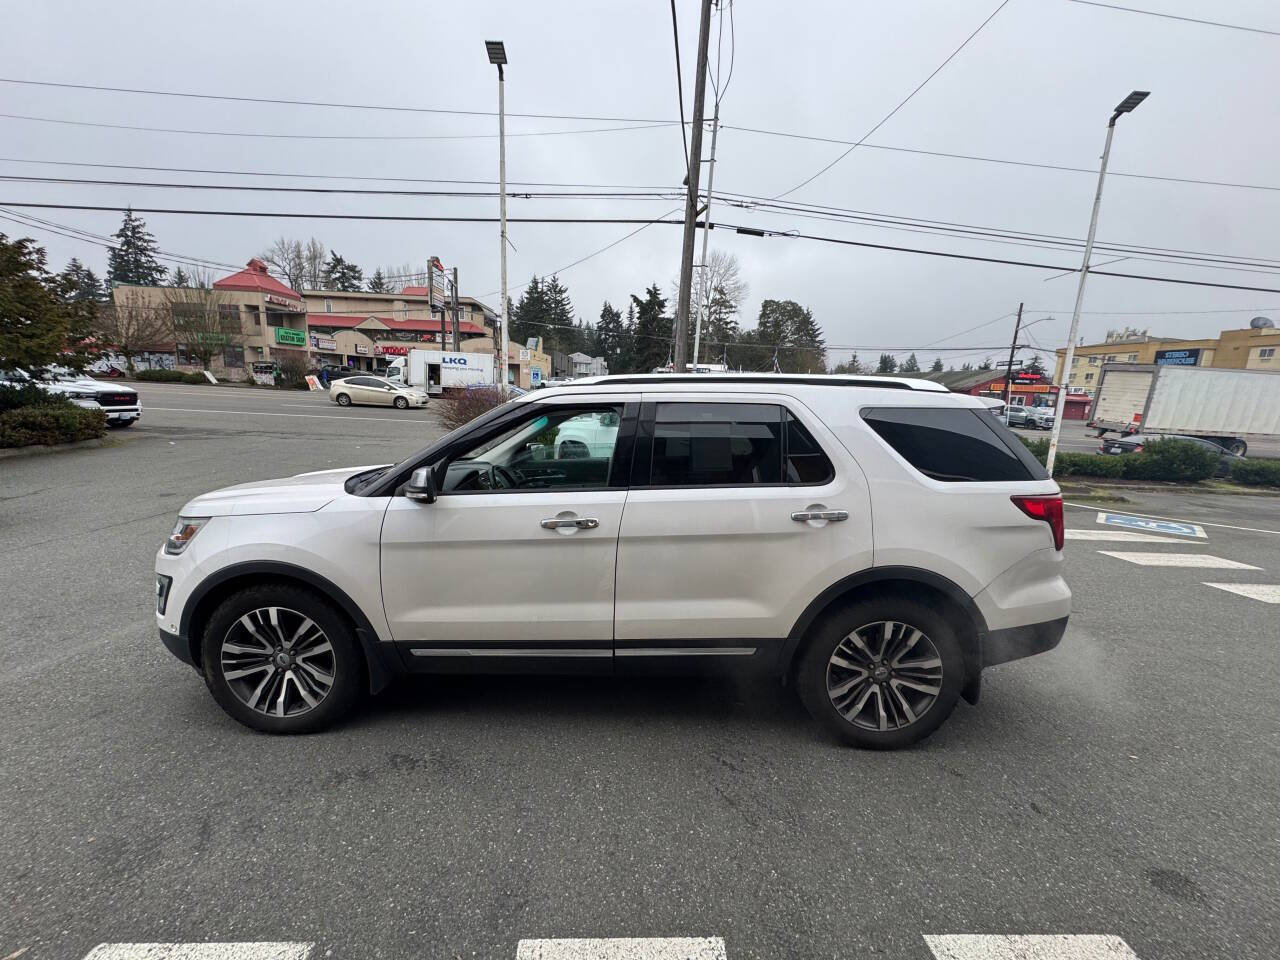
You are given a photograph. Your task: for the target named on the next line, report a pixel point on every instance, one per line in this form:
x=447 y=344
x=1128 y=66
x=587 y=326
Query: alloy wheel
x=278 y=662
x=884 y=676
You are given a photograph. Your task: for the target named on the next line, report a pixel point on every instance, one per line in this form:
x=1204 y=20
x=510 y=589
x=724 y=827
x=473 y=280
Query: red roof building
x=255 y=279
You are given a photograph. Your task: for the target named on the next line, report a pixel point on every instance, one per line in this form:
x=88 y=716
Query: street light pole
x=1126 y=106
x=498 y=57
x=704 y=301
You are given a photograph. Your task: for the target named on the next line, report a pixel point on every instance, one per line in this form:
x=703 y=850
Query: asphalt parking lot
x=1123 y=784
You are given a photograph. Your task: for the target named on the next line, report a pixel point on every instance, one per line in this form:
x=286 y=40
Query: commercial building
x=1251 y=348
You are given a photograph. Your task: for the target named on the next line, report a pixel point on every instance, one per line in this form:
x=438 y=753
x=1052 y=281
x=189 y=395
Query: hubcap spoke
x=884 y=676
x=278 y=662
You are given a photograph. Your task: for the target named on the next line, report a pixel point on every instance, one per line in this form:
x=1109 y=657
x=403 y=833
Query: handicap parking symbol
x=1152 y=526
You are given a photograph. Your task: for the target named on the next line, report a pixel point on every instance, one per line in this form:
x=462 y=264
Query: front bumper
x=122 y=413
x=1014 y=643
x=178 y=647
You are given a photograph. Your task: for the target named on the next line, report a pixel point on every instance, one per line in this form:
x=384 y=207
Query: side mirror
x=422 y=486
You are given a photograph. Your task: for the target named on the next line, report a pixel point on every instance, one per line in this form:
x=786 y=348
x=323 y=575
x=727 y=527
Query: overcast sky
x=1037 y=84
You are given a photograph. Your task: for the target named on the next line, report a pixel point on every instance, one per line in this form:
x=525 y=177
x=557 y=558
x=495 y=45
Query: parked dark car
x=1136 y=442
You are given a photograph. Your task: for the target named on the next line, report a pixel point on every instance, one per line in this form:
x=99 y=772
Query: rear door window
x=716 y=444
x=954 y=444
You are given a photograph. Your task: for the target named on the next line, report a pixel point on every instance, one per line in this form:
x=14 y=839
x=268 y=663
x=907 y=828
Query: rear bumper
x=1014 y=643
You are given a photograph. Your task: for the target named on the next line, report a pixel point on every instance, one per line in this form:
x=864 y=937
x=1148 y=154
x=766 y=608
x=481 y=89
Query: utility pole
x=680 y=355
x=431 y=297
x=1126 y=106
x=1008 y=374
x=457 y=343
x=704 y=304
x=498 y=57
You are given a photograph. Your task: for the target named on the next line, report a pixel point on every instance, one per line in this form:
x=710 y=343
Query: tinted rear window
x=954 y=444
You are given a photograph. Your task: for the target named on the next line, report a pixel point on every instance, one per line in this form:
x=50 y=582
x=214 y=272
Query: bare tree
x=285 y=257
x=399 y=276
x=314 y=256
x=718 y=293
x=203 y=321
x=130 y=324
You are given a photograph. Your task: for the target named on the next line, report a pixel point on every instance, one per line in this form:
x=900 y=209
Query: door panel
x=728 y=562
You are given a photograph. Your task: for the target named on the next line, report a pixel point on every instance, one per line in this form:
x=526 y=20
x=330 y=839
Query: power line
x=675 y=33
x=885 y=119
x=1170 y=16
x=330 y=176
x=321 y=103
x=1163 y=313
x=327 y=136
x=999 y=160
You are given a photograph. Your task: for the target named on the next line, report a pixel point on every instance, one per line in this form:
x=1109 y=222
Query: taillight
x=1048 y=509
x=1138 y=448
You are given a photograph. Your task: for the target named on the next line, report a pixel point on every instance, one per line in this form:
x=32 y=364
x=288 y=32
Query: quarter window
x=805 y=461
x=955 y=444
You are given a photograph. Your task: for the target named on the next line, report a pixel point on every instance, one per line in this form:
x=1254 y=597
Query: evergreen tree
x=378 y=282
x=652 y=332
x=1035 y=366
x=82 y=283
x=529 y=315
x=721 y=327
x=180 y=278
x=41 y=320
x=966 y=366
x=910 y=365
x=887 y=364
x=937 y=365
x=133 y=259
x=627 y=343
x=609 y=333
x=561 y=331
x=850 y=366
x=341 y=275
x=985 y=364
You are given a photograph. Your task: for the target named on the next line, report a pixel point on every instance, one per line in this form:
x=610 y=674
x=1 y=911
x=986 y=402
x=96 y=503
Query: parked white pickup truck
x=118 y=402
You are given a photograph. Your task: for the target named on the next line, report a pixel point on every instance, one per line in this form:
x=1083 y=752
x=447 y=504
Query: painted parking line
x=1081 y=946
x=281 y=950
x=1266 y=592
x=310 y=416
x=1178 y=560
x=623 y=948
x=1150 y=525
x=1201 y=523
x=1124 y=536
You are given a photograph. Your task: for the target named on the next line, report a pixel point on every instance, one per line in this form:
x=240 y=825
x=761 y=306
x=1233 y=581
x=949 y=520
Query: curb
x=35 y=449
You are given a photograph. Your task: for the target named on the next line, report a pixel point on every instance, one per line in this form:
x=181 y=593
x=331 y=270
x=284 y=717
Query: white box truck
x=436 y=369
x=1229 y=407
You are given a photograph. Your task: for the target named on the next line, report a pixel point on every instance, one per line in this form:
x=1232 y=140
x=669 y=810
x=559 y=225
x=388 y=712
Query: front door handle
x=582 y=523
x=800 y=516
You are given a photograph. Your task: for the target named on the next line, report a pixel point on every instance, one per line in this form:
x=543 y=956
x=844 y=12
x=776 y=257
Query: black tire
x=402 y=403
x=813 y=677
x=344 y=400
x=1237 y=446
x=345 y=661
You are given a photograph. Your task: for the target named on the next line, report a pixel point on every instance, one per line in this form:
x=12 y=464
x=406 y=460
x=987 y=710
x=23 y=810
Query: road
x=1123 y=784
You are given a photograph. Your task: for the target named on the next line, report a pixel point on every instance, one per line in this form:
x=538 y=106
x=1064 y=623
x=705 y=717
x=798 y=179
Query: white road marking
x=1266 y=592
x=313 y=416
x=623 y=948
x=285 y=950
x=1178 y=560
x=1176 y=528
x=1202 y=523
x=1123 y=536
x=1081 y=946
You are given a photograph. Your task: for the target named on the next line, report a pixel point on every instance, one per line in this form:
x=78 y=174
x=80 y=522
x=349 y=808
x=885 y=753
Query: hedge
x=50 y=424
x=171 y=376
x=1258 y=473
x=1173 y=461
x=11 y=398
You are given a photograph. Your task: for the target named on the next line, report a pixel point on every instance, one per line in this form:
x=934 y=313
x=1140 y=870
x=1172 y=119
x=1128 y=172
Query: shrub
x=1172 y=460
x=460 y=407
x=50 y=424
x=11 y=398
x=171 y=376
x=1259 y=473
x=1089 y=465
x=1039 y=446
x=292 y=373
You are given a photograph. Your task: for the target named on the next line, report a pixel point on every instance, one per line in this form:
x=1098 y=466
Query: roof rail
x=689 y=378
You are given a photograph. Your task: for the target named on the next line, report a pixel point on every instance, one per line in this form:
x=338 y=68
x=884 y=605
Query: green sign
x=294 y=338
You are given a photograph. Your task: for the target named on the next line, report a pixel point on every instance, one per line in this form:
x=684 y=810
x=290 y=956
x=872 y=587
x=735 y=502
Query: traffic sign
x=1152 y=526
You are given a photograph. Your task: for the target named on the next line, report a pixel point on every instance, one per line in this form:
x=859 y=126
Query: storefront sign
x=283 y=302
x=361 y=348
x=391 y=350
x=290 y=337
x=324 y=343
x=1178 y=358
x=1026 y=376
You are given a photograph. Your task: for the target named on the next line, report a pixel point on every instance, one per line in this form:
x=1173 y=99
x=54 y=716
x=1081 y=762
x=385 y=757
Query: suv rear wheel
x=281 y=659
x=882 y=673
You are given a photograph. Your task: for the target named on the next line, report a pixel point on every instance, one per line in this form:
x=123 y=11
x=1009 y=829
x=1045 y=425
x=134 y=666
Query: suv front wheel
x=882 y=673
x=281 y=659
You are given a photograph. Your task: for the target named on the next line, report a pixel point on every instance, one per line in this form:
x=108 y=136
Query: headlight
x=184 y=531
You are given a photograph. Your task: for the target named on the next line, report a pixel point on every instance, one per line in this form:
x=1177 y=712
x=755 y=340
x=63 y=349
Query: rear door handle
x=582 y=523
x=800 y=516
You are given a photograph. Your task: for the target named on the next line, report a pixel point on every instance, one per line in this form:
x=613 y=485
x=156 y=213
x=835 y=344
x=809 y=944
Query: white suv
x=875 y=542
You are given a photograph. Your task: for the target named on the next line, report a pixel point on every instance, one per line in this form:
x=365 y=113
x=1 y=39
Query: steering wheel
x=502 y=477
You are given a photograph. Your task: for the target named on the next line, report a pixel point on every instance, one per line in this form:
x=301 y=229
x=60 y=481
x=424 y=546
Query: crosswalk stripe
x=1124 y=536
x=623 y=948
x=1266 y=592
x=1178 y=560
x=1081 y=946
x=266 y=950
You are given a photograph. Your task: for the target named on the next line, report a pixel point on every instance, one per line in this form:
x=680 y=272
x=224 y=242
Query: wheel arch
x=216 y=587
x=912 y=582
